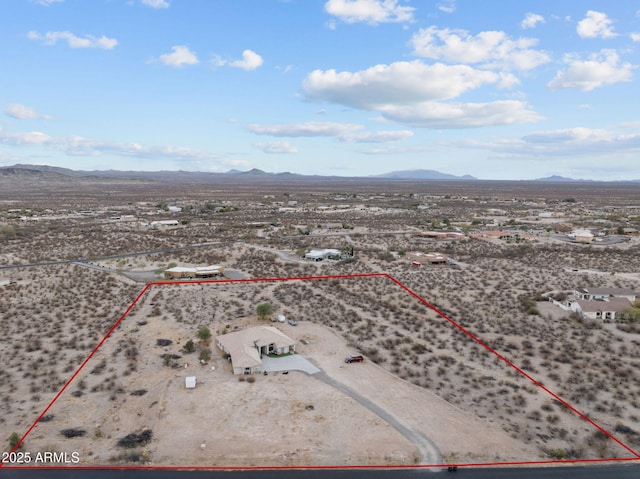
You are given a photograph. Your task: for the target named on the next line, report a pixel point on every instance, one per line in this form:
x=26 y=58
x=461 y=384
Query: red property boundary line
x=412 y=466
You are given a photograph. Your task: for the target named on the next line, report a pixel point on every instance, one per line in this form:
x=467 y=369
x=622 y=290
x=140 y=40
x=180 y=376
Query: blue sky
x=500 y=89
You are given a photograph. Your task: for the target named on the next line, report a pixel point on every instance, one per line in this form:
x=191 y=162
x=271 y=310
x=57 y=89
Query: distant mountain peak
x=555 y=178
x=422 y=175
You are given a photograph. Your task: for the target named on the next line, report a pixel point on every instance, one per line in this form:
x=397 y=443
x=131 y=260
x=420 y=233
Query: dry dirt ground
x=292 y=419
x=54 y=316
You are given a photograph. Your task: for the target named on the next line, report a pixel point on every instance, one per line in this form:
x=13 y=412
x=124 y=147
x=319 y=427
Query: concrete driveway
x=294 y=362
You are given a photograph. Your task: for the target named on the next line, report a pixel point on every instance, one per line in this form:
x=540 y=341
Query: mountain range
x=45 y=171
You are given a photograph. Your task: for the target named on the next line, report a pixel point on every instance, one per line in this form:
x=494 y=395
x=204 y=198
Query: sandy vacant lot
x=280 y=419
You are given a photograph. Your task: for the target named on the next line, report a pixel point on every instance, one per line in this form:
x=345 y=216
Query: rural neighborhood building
x=202 y=272
x=503 y=235
x=427 y=258
x=322 y=254
x=164 y=223
x=441 y=235
x=581 y=236
x=599 y=303
x=601 y=309
x=247 y=347
x=590 y=294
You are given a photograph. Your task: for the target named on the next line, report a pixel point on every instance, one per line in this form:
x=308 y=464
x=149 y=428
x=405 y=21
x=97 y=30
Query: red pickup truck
x=353 y=359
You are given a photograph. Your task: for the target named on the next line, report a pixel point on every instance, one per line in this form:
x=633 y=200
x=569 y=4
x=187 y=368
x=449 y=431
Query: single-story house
x=322 y=254
x=247 y=347
x=427 y=258
x=164 y=223
x=600 y=309
x=581 y=236
x=590 y=294
x=201 y=272
x=440 y=235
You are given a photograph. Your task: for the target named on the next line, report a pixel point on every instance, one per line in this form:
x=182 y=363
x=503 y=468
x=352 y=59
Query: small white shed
x=190 y=382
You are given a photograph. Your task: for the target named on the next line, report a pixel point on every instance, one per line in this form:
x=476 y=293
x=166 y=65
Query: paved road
x=283 y=255
x=574 y=472
x=119 y=256
x=428 y=451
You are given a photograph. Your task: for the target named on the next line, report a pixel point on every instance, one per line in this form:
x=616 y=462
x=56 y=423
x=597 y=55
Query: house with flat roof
x=201 y=272
x=322 y=254
x=246 y=347
x=427 y=258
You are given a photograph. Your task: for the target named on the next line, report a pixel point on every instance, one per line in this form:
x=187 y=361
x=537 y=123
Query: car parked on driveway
x=293 y=322
x=353 y=359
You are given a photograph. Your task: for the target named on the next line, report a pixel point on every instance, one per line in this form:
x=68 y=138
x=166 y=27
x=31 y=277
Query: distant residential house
x=427 y=258
x=601 y=309
x=202 y=272
x=441 y=235
x=322 y=254
x=590 y=294
x=503 y=235
x=581 y=236
x=246 y=347
x=164 y=223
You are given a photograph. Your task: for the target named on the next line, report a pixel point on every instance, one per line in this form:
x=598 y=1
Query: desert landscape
x=510 y=257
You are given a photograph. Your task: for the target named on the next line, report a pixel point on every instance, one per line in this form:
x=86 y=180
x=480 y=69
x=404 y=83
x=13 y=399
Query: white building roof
x=190 y=382
x=321 y=253
x=201 y=269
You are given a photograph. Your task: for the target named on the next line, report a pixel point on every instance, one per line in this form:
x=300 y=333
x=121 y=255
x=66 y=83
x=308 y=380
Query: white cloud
x=397 y=83
x=276 y=147
x=156 y=3
x=433 y=114
x=181 y=56
x=595 y=25
x=413 y=93
x=22 y=112
x=603 y=68
x=568 y=142
x=569 y=135
x=491 y=49
x=531 y=20
x=377 y=136
x=635 y=36
x=250 y=61
x=369 y=11
x=46 y=3
x=344 y=132
x=88 y=41
x=81 y=146
x=447 y=6
x=309 y=129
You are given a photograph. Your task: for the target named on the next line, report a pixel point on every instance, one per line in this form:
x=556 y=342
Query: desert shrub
x=136 y=439
x=264 y=310
x=204 y=334
x=13 y=440
x=205 y=354
x=189 y=346
x=73 y=432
